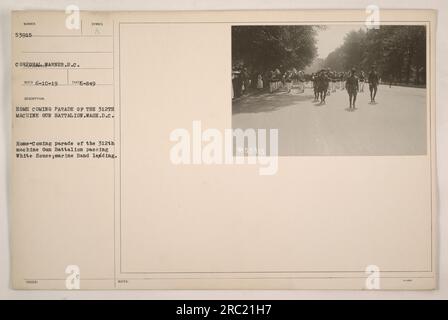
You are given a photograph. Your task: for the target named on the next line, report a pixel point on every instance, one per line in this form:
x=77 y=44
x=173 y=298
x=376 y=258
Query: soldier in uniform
x=362 y=79
x=323 y=82
x=302 y=80
x=288 y=80
x=373 y=84
x=245 y=78
x=352 y=86
x=315 y=86
x=237 y=83
x=342 y=80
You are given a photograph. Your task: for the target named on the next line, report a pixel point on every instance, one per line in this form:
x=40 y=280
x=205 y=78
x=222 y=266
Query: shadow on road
x=267 y=102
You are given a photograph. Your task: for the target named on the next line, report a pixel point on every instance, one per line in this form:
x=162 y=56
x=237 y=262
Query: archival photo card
x=288 y=149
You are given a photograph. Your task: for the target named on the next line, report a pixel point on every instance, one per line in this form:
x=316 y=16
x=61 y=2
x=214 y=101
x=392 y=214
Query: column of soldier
x=324 y=82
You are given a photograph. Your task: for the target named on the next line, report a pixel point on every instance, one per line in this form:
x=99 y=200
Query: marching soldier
x=315 y=86
x=352 y=86
x=373 y=84
x=362 y=79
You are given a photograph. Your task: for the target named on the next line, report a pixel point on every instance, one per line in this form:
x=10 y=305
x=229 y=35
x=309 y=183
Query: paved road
x=395 y=125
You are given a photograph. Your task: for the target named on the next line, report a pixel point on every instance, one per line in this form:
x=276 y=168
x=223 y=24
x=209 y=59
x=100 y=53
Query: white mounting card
x=223 y=150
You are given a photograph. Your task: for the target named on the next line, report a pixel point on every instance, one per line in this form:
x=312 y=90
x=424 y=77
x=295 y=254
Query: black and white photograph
x=333 y=89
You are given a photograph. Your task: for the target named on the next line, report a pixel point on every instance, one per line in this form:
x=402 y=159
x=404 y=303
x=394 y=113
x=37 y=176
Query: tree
x=399 y=52
x=263 y=48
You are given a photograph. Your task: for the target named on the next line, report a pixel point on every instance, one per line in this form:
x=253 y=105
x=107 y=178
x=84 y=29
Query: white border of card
x=129 y=218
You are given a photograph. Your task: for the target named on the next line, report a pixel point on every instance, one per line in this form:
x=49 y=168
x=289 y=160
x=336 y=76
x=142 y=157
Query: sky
x=332 y=37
